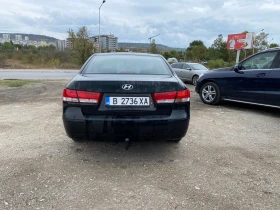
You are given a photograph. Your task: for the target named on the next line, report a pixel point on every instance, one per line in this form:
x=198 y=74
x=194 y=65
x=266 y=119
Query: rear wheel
x=175 y=140
x=210 y=93
x=78 y=140
x=194 y=80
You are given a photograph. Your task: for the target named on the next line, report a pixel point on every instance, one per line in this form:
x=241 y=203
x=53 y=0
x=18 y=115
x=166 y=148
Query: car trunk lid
x=131 y=88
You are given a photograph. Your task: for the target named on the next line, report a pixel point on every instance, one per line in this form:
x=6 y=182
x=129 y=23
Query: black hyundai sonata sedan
x=126 y=96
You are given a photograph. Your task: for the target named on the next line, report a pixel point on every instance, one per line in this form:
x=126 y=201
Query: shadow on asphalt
x=268 y=111
x=139 y=150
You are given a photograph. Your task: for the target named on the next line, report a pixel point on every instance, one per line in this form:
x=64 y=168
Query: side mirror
x=237 y=69
x=189 y=69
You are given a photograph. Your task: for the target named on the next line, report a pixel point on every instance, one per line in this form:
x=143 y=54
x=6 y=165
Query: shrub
x=54 y=62
x=2 y=60
x=214 y=64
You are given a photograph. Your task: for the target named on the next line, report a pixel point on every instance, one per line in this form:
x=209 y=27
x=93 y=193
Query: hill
x=33 y=37
x=147 y=45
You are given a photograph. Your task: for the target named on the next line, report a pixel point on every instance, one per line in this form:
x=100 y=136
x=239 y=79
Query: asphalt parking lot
x=230 y=159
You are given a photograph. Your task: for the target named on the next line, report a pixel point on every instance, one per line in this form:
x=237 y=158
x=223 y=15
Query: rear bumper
x=172 y=127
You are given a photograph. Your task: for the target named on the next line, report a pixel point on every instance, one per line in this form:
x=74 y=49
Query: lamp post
x=99 y=43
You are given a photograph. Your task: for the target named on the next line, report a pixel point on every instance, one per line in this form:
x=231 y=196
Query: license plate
x=127 y=101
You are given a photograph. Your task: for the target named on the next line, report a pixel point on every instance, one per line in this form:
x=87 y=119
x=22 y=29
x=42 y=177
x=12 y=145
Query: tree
x=2 y=60
x=8 y=46
x=196 y=51
x=188 y=55
x=199 y=52
x=180 y=56
x=173 y=54
x=82 y=48
x=121 y=49
x=218 y=42
x=18 y=46
x=50 y=48
x=195 y=43
x=218 y=49
x=154 y=47
x=166 y=55
x=260 y=42
x=31 y=47
x=273 y=45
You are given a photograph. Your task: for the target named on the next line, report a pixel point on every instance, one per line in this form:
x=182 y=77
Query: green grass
x=16 y=83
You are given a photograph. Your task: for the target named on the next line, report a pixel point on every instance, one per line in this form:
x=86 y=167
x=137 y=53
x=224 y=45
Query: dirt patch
x=17 y=64
x=16 y=83
x=35 y=91
x=230 y=159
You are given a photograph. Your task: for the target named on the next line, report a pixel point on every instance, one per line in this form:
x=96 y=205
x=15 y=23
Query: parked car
x=255 y=80
x=172 y=60
x=126 y=96
x=189 y=72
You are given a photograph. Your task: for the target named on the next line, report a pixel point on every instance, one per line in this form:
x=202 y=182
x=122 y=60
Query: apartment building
x=61 y=44
x=107 y=42
x=69 y=43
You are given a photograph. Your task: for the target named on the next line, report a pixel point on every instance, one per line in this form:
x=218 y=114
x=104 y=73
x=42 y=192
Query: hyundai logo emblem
x=127 y=87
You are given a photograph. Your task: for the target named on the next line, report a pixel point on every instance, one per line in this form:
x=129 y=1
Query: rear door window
x=186 y=67
x=179 y=65
x=277 y=62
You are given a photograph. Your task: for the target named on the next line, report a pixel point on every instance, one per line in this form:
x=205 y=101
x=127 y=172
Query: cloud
x=178 y=22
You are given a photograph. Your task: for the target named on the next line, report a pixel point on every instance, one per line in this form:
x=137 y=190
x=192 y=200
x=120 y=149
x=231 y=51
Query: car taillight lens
x=171 y=97
x=81 y=96
x=88 y=97
x=164 y=98
x=183 y=96
x=70 y=95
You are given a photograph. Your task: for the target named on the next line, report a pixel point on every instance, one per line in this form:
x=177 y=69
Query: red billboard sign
x=240 y=41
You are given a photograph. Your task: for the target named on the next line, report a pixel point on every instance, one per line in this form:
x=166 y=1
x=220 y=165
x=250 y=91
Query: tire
x=78 y=140
x=175 y=140
x=210 y=93
x=194 y=80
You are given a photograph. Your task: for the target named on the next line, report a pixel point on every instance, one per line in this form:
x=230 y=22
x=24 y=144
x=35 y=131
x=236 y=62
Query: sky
x=178 y=22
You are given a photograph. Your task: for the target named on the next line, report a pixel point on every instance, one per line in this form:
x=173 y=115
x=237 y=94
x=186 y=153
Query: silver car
x=189 y=72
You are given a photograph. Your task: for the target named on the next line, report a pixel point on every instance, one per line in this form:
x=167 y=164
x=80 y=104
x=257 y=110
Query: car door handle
x=261 y=75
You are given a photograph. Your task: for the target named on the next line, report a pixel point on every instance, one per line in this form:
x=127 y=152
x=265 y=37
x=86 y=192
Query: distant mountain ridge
x=147 y=45
x=33 y=37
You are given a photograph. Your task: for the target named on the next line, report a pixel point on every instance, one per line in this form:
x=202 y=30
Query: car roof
x=127 y=53
x=188 y=62
x=277 y=49
x=272 y=49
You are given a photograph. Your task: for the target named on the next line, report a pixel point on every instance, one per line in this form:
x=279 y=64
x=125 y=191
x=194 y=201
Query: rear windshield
x=126 y=64
x=198 y=66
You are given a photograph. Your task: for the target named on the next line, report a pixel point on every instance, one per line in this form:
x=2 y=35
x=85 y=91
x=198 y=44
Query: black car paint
x=255 y=86
x=159 y=122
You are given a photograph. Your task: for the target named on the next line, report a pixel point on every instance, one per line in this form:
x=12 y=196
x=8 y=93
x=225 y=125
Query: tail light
x=171 y=97
x=81 y=96
x=164 y=98
x=70 y=95
x=88 y=97
x=183 y=96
